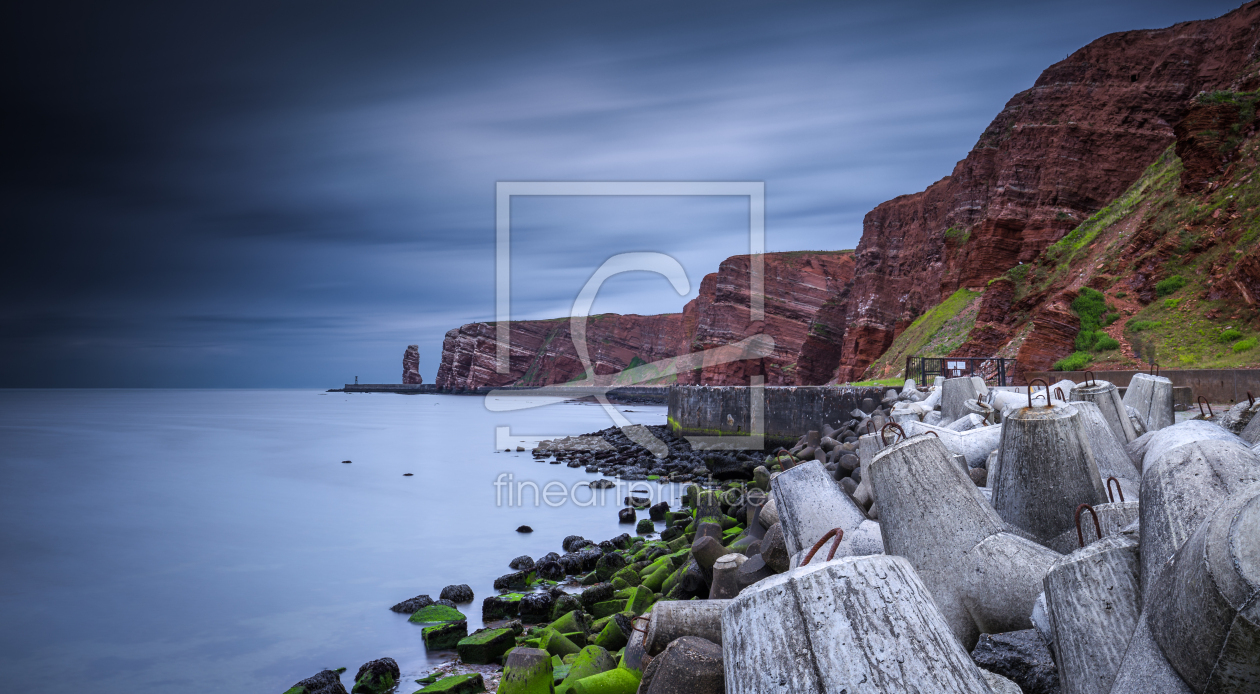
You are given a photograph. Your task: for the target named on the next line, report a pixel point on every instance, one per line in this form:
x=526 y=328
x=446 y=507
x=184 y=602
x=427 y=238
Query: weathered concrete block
x=725 y=583
x=810 y=503
x=1112 y=519
x=526 y=671
x=1203 y=610
x=1094 y=603
x=1251 y=432
x=689 y=665
x=1152 y=397
x=1181 y=489
x=866 y=540
x=974 y=445
x=677 y=618
x=954 y=394
x=1191 y=431
x=877 y=621
x=967 y=422
x=1144 y=669
x=1106 y=396
x=983 y=578
x=1109 y=452
x=1239 y=416
x=1045 y=469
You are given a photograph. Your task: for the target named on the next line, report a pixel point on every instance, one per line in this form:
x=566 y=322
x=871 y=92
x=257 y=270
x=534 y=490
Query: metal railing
x=993 y=370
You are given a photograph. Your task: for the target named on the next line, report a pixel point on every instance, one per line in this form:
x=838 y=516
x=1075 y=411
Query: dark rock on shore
x=1019 y=656
x=411 y=605
x=536 y=607
x=658 y=511
x=513 y=581
x=326 y=682
x=524 y=529
x=446 y=601
x=377 y=677
x=626 y=515
x=458 y=593
x=551 y=571
x=573 y=543
x=599 y=592
x=522 y=563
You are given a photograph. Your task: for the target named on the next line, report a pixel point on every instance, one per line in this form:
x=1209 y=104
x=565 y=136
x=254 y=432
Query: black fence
x=993 y=370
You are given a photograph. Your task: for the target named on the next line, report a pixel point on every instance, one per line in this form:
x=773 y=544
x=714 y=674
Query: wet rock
x=445 y=601
x=658 y=511
x=774 y=550
x=600 y=592
x=411 y=605
x=536 y=607
x=626 y=515
x=978 y=475
x=376 y=677
x=326 y=682
x=549 y=556
x=512 y=581
x=524 y=529
x=1019 y=656
x=500 y=606
x=550 y=571
x=458 y=593
x=645 y=527
x=522 y=563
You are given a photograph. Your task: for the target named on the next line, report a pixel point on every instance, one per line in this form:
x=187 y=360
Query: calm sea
x=213 y=541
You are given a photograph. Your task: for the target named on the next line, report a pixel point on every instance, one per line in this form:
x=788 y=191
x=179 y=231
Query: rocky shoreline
x=858 y=559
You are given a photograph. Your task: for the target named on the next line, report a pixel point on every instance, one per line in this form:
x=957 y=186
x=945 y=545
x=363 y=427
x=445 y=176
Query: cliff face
x=542 y=352
x=1056 y=154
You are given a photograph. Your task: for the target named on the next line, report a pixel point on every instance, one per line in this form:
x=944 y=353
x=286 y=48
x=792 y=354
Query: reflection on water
x=167 y=540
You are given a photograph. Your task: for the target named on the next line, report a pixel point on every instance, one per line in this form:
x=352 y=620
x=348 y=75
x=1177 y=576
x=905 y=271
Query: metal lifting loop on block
x=634 y=624
x=934 y=434
x=838 y=533
x=1097 y=528
x=1030 y=391
x=1203 y=401
x=1154 y=368
x=893 y=425
x=1089 y=379
x=1058 y=393
x=1110 y=496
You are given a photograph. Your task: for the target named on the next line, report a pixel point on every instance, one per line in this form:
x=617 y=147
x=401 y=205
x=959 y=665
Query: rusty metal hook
x=634 y=624
x=1201 y=402
x=1089 y=379
x=1118 y=489
x=1030 y=391
x=1079 y=536
x=894 y=425
x=934 y=434
x=1058 y=393
x=1251 y=402
x=1155 y=366
x=839 y=535
x=870 y=426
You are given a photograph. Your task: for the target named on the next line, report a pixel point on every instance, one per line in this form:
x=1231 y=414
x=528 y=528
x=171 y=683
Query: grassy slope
x=934 y=334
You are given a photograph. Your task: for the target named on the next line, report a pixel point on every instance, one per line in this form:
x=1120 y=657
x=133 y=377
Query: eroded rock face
x=1055 y=154
x=411 y=366
x=542 y=352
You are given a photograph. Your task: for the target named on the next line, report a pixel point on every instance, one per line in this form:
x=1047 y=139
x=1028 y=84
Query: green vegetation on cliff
x=936 y=333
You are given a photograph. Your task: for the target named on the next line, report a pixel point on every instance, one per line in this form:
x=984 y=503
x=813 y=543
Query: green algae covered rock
x=640 y=599
x=485 y=645
x=615 y=681
x=614 y=635
x=570 y=622
x=444 y=635
x=436 y=613
x=645 y=526
x=607 y=608
x=472 y=683
x=376 y=677
x=501 y=606
x=629 y=574
x=556 y=643
x=527 y=671
x=592 y=660
x=564 y=605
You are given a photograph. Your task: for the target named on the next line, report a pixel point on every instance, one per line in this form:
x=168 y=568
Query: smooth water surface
x=213 y=541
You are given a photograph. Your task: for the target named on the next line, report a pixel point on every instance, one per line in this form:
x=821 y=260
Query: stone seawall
x=790 y=411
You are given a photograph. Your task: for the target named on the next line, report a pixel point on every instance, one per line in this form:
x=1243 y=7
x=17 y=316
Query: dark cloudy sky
x=287 y=194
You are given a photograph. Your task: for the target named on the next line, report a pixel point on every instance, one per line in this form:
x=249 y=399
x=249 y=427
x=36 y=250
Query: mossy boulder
x=536 y=607
x=444 y=635
x=556 y=643
x=527 y=671
x=640 y=600
x=645 y=526
x=609 y=564
x=472 y=683
x=570 y=622
x=630 y=575
x=326 y=682
x=615 y=634
x=436 y=613
x=565 y=604
x=591 y=660
x=615 y=681
x=515 y=581
x=376 y=677
x=485 y=645
x=501 y=606
x=607 y=608
x=597 y=593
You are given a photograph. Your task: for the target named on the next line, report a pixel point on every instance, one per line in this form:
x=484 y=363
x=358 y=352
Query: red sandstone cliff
x=1056 y=153
x=542 y=352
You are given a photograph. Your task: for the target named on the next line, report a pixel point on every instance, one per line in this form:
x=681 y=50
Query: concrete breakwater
x=788 y=410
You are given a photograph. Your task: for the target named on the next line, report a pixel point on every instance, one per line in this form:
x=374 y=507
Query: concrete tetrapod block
x=1106 y=396
x=527 y=671
x=769 y=514
x=1203 y=610
x=983 y=578
x=974 y=445
x=1144 y=669
x=1251 y=432
x=1094 y=603
x=677 y=618
x=858 y=625
x=689 y=665
x=866 y=540
x=810 y=503
x=1152 y=397
x=1168 y=438
x=1109 y=453
x=1045 y=469
x=1181 y=489
x=1112 y=519
x=634 y=655
x=725 y=583
x=967 y=422
x=1239 y=416
x=954 y=394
